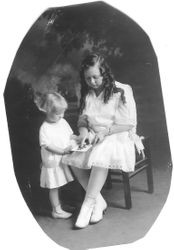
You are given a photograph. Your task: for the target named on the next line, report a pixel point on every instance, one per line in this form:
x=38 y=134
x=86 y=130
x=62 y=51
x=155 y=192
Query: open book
x=78 y=148
x=83 y=148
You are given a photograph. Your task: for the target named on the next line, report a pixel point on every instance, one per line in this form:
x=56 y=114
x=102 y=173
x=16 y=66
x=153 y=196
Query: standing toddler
x=54 y=136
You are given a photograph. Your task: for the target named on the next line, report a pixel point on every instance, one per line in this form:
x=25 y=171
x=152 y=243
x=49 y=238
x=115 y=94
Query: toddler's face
x=93 y=77
x=56 y=116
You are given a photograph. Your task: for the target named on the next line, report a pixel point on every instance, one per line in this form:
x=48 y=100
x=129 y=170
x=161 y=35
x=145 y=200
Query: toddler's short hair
x=54 y=103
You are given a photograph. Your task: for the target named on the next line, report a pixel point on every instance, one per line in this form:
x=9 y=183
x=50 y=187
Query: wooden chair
x=142 y=163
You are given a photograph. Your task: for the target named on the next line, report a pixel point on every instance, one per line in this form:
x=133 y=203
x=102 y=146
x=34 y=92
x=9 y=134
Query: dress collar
x=92 y=93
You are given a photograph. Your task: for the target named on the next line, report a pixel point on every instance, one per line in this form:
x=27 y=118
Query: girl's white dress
x=53 y=172
x=116 y=151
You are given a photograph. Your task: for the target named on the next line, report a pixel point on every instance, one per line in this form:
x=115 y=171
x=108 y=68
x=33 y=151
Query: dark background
x=49 y=58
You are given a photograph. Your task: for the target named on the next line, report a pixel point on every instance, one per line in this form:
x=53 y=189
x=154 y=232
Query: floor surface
x=119 y=226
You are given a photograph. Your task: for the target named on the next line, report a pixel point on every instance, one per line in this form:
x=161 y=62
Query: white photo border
x=19 y=228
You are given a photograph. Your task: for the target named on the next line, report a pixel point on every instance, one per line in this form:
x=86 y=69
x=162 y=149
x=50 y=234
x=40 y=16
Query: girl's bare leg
x=94 y=184
x=82 y=176
x=96 y=181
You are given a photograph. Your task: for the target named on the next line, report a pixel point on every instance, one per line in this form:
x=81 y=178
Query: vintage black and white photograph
x=87 y=126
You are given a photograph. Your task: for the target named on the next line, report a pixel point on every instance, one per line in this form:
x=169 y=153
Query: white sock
x=89 y=200
x=57 y=208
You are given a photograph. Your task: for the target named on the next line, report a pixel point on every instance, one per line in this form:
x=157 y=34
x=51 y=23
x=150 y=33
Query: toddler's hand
x=73 y=137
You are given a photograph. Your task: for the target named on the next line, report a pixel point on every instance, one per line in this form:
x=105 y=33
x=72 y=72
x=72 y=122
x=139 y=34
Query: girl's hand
x=81 y=140
x=67 y=150
x=83 y=136
x=99 y=137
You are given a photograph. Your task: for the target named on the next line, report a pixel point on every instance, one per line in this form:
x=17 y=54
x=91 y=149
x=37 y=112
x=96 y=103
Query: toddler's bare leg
x=57 y=211
x=54 y=197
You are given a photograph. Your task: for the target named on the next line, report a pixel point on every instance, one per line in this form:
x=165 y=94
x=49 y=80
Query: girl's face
x=93 y=78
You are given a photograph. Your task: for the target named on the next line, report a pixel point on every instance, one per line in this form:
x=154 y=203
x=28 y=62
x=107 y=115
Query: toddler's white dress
x=53 y=172
x=116 y=151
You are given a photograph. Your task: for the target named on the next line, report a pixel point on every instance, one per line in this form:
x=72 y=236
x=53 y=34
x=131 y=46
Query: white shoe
x=84 y=215
x=59 y=213
x=98 y=211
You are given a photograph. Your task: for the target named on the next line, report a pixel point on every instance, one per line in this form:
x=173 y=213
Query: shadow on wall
x=49 y=59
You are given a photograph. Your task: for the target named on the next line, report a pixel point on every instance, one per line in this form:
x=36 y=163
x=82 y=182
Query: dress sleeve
x=43 y=137
x=126 y=112
x=82 y=121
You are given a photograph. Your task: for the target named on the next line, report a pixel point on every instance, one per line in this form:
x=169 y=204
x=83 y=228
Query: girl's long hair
x=108 y=79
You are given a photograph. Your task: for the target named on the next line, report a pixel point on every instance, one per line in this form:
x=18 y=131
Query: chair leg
x=127 y=191
x=108 y=183
x=150 y=178
x=149 y=171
